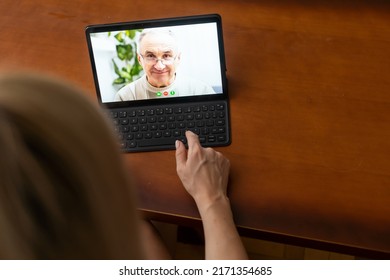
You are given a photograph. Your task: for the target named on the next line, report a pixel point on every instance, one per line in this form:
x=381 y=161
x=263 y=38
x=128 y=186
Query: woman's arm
x=204 y=174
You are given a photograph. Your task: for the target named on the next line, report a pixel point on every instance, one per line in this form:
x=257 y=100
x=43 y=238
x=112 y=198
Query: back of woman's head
x=64 y=193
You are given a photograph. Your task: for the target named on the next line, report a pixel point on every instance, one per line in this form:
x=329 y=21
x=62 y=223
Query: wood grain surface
x=309 y=83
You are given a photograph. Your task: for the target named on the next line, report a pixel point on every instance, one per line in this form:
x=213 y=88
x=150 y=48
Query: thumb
x=181 y=154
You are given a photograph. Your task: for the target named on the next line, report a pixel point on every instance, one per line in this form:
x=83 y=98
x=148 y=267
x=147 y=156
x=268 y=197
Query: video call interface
x=182 y=60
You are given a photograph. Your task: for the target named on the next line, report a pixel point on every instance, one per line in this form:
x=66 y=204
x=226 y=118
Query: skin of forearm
x=221 y=236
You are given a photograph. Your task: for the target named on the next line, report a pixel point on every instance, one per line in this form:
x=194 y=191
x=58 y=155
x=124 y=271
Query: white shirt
x=182 y=86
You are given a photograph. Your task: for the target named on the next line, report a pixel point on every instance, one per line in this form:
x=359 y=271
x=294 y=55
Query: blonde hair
x=64 y=192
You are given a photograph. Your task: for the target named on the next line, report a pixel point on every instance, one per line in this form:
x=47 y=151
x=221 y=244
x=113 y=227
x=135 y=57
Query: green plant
x=126 y=65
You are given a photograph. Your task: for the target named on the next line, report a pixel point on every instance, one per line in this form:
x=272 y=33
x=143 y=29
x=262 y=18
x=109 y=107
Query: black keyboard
x=158 y=127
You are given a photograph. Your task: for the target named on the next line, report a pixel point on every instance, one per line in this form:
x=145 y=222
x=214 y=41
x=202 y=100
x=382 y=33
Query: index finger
x=193 y=140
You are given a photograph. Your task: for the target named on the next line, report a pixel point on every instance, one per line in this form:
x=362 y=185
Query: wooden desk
x=310 y=104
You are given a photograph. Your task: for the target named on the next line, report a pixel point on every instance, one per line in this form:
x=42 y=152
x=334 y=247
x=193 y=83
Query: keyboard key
x=220 y=122
x=178 y=110
x=220 y=107
x=152 y=119
x=156 y=142
x=139 y=136
x=124 y=121
x=130 y=136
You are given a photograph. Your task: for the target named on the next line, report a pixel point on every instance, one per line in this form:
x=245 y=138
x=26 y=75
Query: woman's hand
x=204 y=172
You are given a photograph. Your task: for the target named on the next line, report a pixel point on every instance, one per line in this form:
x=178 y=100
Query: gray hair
x=156 y=31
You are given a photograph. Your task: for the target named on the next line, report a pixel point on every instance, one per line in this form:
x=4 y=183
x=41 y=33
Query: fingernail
x=177 y=144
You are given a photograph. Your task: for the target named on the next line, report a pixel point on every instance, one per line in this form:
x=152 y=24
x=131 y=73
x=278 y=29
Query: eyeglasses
x=167 y=59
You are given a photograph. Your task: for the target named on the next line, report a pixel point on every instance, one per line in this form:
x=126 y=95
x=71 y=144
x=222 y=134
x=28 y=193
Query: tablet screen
x=156 y=62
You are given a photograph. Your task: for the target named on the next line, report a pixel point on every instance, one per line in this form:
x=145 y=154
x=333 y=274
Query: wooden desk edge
x=359 y=252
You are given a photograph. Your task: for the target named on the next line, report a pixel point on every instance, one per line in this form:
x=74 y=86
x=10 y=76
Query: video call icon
x=165 y=93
